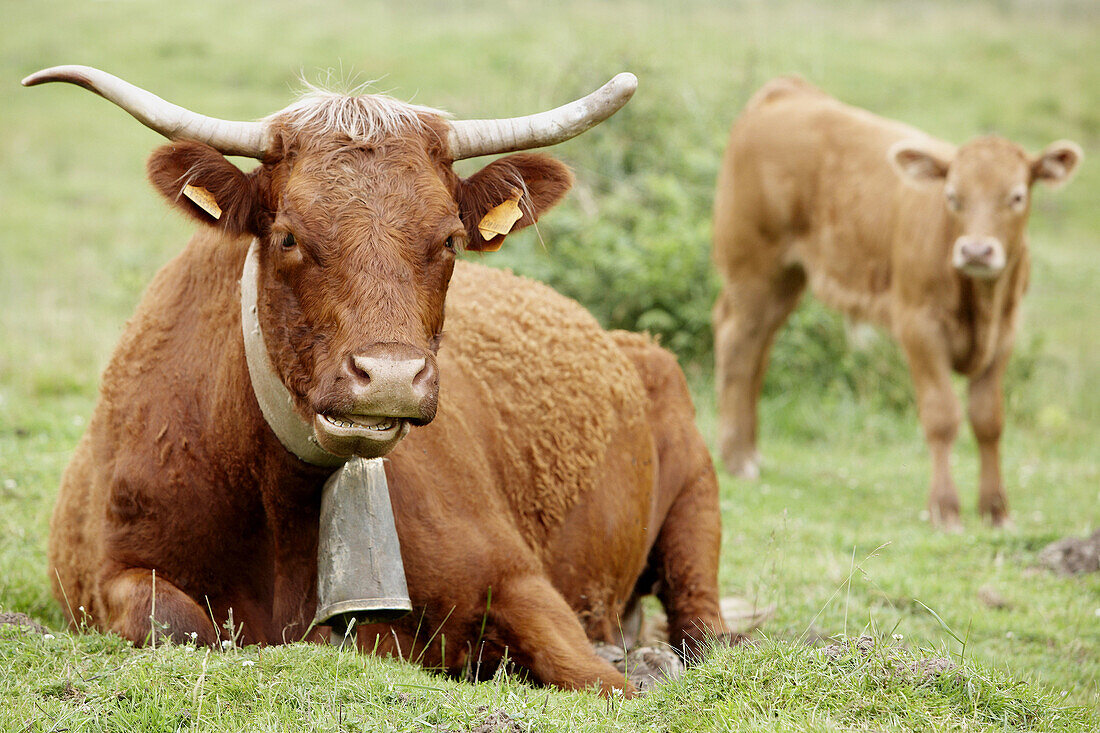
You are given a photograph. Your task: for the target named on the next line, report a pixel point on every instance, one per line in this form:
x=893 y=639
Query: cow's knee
x=141 y=606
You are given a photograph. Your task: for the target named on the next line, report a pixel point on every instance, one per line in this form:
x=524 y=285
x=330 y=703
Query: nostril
x=426 y=376
x=986 y=252
x=360 y=367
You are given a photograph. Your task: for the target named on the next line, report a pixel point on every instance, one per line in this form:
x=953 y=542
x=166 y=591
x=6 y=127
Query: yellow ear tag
x=500 y=219
x=203 y=199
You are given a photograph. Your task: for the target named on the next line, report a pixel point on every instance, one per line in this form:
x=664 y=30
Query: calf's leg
x=133 y=615
x=986 y=409
x=939 y=416
x=746 y=317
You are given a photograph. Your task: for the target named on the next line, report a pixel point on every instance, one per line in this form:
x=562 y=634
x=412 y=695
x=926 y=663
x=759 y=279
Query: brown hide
x=558 y=477
x=887 y=225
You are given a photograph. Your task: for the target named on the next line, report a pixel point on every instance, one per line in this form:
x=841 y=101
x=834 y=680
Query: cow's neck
x=274 y=398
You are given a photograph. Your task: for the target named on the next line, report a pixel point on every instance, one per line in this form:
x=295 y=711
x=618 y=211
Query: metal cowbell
x=360 y=575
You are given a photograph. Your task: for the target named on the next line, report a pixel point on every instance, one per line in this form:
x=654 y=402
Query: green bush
x=633 y=240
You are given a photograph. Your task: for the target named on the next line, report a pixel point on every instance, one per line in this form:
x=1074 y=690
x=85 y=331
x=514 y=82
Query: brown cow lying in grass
x=887 y=225
x=555 y=476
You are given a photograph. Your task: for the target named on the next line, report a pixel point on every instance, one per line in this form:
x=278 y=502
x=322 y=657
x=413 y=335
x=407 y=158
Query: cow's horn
x=174 y=122
x=471 y=138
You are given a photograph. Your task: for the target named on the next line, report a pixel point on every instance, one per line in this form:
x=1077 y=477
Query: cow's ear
x=1056 y=165
x=917 y=162
x=534 y=182
x=200 y=181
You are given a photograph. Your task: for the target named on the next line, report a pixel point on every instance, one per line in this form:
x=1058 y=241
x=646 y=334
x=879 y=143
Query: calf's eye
x=953 y=201
x=289 y=242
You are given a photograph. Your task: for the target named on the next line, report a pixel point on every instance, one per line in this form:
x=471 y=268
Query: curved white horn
x=174 y=122
x=471 y=138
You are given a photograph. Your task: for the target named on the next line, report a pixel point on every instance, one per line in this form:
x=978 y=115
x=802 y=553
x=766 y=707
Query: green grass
x=832 y=534
x=90 y=682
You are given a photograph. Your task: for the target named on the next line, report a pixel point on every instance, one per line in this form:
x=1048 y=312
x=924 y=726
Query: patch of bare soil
x=645 y=667
x=1072 y=555
x=891 y=664
x=496 y=721
x=22 y=619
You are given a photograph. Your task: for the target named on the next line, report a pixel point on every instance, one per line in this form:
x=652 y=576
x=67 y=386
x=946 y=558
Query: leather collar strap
x=275 y=400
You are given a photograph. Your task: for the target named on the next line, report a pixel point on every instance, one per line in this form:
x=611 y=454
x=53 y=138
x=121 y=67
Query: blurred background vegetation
x=81 y=234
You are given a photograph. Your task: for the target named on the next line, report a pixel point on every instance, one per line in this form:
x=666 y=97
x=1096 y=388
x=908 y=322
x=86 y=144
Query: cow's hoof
x=1003 y=522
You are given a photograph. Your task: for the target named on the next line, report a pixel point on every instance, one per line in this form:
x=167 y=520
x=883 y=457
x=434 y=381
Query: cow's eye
x=1017 y=199
x=289 y=242
x=454 y=243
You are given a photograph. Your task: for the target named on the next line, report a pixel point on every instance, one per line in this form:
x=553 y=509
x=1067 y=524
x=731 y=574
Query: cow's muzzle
x=390 y=387
x=981 y=257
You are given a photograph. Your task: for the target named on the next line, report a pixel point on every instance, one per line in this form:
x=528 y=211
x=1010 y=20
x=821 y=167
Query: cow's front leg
x=986 y=408
x=939 y=416
x=543 y=635
x=141 y=606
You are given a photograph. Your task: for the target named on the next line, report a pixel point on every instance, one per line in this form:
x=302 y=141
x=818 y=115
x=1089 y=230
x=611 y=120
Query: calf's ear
x=534 y=182
x=198 y=179
x=917 y=162
x=1056 y=165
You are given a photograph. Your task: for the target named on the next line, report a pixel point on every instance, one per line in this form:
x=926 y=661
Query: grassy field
x=832 y=534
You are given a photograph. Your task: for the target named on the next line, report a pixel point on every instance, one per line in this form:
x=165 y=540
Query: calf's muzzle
x=979 y=256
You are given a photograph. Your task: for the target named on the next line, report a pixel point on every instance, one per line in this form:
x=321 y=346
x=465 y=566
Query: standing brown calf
x=888 y=225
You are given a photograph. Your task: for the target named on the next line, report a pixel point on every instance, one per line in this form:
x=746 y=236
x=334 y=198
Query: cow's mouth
x=369 y=436
x=980 y=271
x=371 y=424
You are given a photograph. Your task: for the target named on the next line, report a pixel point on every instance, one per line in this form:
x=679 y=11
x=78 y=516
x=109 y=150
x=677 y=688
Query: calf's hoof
x=996 y=514
x=746 y=466
x=946 y=519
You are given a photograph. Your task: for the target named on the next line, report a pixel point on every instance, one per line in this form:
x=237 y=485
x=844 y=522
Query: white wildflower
x=47 y=636
x=248 y=663
x=227 y=644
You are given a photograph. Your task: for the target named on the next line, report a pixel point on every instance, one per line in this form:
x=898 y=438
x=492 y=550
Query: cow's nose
x=386 y=385
x=977 y=250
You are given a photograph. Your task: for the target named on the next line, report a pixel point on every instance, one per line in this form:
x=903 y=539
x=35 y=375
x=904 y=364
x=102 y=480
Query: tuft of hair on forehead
x=363 y=118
